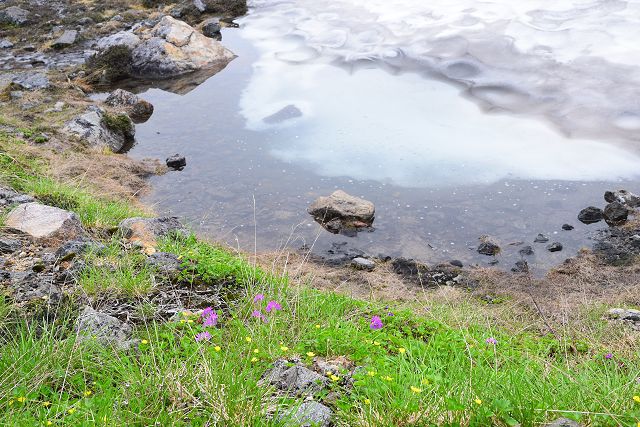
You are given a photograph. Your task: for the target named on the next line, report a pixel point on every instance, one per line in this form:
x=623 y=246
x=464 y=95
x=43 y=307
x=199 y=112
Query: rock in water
x=615 y=213
x=342 y=210
x=567 y=227
x=105 y=329
x=309 y=414
x=100 y=128
x=623 y=196
x=541 y=238
x=66 y=39
x=554 y=247
x=176 y=162
x=211 y=28
x=173 y=48
x=487 y=247
x=14 y=15
x=45 y=222
x=526 y=250
x=137 y=108
x=590 y=215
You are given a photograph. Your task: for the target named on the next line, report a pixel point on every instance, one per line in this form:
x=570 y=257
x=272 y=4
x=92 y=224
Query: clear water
x=456 y=118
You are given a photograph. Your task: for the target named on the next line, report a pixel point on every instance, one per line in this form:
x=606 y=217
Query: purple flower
x=258 y=297
x=203 y=336
x=207 y=312
x=376 y=323
x=258 y=314
x=209 y=317
x=608 y=356
x=389 y=314
x=272 y=305
x=491 y=340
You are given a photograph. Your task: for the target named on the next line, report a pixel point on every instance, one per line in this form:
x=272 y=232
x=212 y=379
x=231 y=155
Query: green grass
x=27 y=174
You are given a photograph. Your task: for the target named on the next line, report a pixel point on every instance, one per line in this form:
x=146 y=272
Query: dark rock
x=526 y=250
x=67 y=38
x=521 y=267
x=14 y=15
x=137 y=108
x=567 y=227
x=420 y=274
x=456 y=263
x=105 y=329
x=363 y=264
x=73 y=248
x=211 y=28
x=166 y=264
x=31 y=286
x=615 y=213
x=8 y=246
x=541 y=238
x=343 y=209
x=563 y=422
x=590 y=215
x=294 y=378
x=309 y=414
x=623 y=196
x=554 y=247
x=176 y=162
x=488 y=247
x=340 y=254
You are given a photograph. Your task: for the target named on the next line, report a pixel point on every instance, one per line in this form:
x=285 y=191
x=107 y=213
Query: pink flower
x=491 y=340
x=376 y=323
x=272 y=305
x=258 y=297
x=258 y=314
x=203 y=336
x=608 y=356
x=209 y=317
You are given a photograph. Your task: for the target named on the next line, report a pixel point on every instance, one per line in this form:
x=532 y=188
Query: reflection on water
x=285 y=122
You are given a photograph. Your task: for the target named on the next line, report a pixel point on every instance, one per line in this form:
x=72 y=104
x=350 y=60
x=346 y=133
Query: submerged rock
x=521 y=266
x=488 y=247
x=137 y=108
x=541 y=238
x=526 y=250
x=616 y=213
x=341 y=210
x=98 y=128
x=176 y=162
x=554 y=247
x=567 y=227
x=309 y=414
x=590 y=215
x=44 y=222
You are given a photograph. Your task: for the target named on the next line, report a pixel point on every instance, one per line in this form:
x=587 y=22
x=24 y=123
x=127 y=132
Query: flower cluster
x=272 y=306
x=209 y=319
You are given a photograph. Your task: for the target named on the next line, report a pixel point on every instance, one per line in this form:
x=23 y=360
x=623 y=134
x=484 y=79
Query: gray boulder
x=14 y=15
x=26 y=80
x=44 y=222
x=98 y=128
x=363 y=264
x=137 y=108
x=67 y=38
x=105 y=329
x=122 y=38
x=623 y=196
x=31 y=286
x=342 y=210
x=616 y=213
x=294 y=378
x=309 y=414
x=211 y=28
x=627 y=314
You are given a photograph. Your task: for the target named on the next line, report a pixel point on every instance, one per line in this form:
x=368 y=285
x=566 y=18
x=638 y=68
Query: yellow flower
x=310 y=354
x=190 y=321
x=88 y=393
x=21 y=399
x=371 y=373
x=185 y=313
x=254 y=359
x=284 y=348
x=144 y=342
x=425 y=381
x=104 y=418
x=247 y=339
x=334 y=377
x=46 y=404
x=182 y=321
x=317 y=326
x=367 y=402
x=376 y=343
x=636 y=399
x=217 y=348
x=387 y=378
x=11 y=402
x=71 y=410
x=328 y=373
x=49 y=423
x=478 y=402
x=416 y=389
x=402 y=350
x=255 y=350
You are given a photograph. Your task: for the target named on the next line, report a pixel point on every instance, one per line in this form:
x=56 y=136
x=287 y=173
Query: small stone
x=521 y=266
x=66 y=39
x=199 y=5
x=363 y=264
x=554 y=247
x=590 y=215
x=294 y=378
x=342 y=207
x=488 y=247
x=615 y=213
x=627 y=314
x=541 y=238
x=211 y=28
x=567 y=227
x=5 y=44
x=146 y=231
x=8 y=246
x=309 y=414
x=165 y=263
x=73 y=248
x=456 y=263
x=137 y=108
x=176 y=162
x=105 y=329
x=526 y=250
x=14 y=15
x=563 y=422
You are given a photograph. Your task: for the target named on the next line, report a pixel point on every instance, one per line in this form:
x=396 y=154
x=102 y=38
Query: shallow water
x=453 y=118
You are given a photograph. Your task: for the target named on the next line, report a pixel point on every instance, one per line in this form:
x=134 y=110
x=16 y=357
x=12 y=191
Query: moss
x=119 y=123
x=110 y=65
